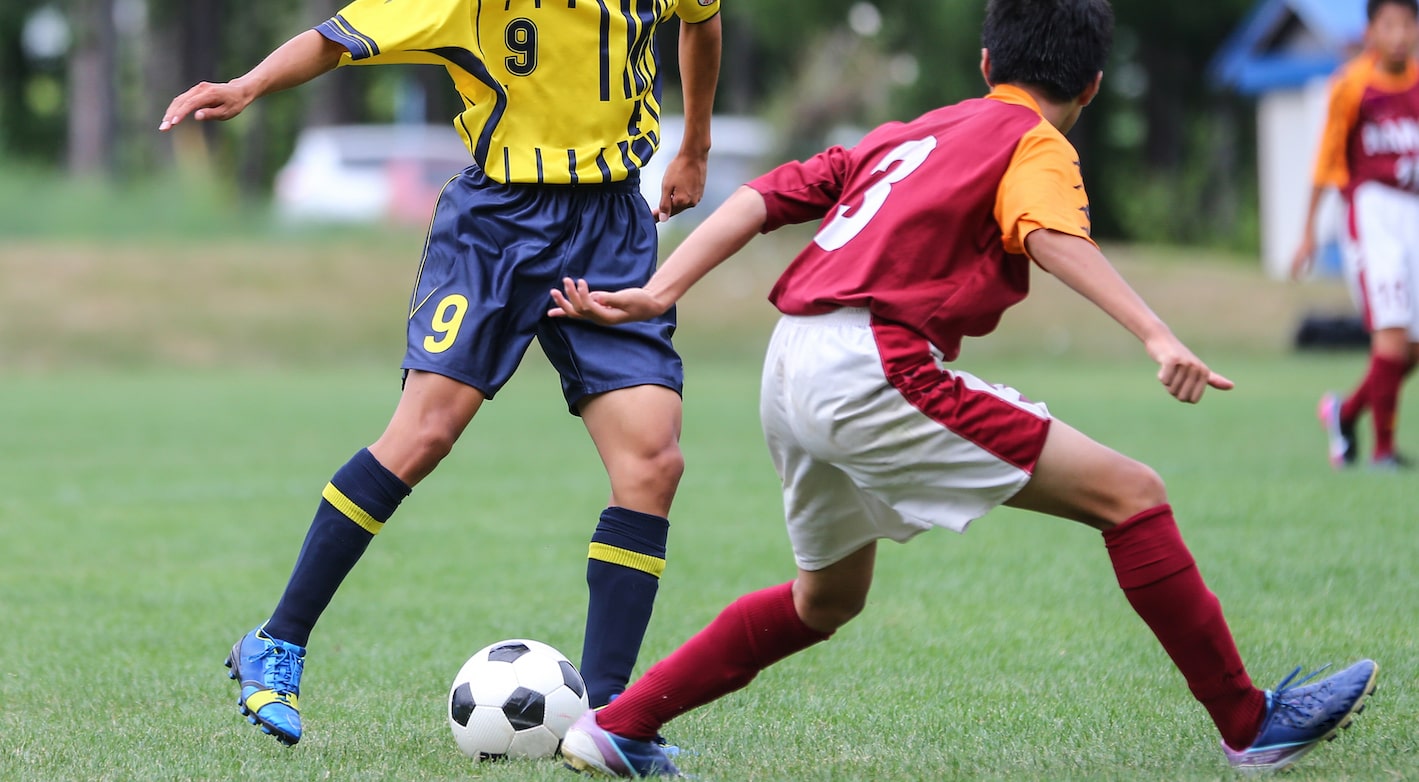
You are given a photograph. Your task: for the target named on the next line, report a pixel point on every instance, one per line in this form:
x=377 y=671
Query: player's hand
x=683 y=185
x=207 y=101
x=1305 y=254
x=1182 y=373
x=603 y=307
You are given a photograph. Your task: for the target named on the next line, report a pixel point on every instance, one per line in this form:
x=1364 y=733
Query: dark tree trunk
x=93 y=97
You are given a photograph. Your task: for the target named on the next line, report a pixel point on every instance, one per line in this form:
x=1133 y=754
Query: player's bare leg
x=431 y=415
x=829 y=598
x=1077 y=478
x=637 y=434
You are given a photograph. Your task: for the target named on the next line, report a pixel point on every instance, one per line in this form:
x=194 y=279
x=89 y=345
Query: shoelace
x=285 y=668
x=1296 y=712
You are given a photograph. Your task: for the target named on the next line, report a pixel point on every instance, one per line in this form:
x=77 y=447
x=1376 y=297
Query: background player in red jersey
x=929 y=232
x=1370 y=151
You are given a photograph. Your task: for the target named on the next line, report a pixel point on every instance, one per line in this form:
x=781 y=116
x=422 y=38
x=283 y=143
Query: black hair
x=1373 y=6
x=1058 y=46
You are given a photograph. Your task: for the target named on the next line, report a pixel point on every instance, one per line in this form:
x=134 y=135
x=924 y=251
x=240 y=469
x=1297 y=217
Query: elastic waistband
x=845 y=316
x=631 y=184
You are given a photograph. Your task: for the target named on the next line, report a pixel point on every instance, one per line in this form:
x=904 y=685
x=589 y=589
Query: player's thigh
x=1080 y=479
x=492 y=254
x=1381 y=224
x=862 y=459
x=632 y=425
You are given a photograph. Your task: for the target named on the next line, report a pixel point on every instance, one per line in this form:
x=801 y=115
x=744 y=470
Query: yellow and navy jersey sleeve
x=1042 y=188
x=1332 y=166
x=385 y=31
x=695 y=11
x=560 y=92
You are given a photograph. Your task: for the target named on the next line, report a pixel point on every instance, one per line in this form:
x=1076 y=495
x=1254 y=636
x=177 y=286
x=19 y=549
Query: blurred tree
x=1165 y=158
x=93 y=90
x=31 y=87
x=333 y=99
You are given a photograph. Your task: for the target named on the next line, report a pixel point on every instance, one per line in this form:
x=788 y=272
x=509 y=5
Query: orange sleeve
x=1332 y=166
x=1042 y=188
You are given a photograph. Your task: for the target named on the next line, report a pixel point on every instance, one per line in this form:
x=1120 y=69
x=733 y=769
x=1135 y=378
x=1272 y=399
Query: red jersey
x=1372 y=128
x=926 y=220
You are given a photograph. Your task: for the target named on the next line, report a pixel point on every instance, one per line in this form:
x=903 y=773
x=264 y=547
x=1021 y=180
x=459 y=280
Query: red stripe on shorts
x=1014 y=435
x=1353 y=227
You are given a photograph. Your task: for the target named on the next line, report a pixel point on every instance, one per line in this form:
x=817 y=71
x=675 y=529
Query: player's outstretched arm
x=684 y=182
x=296 y=61
x=1306 y=249
x=1080 y=265
x=721 y=235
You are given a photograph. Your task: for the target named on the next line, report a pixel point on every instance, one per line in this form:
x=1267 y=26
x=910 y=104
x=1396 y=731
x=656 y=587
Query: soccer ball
x=515 y=698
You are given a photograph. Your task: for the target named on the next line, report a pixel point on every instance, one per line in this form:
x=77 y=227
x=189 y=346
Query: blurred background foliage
x=83 y=84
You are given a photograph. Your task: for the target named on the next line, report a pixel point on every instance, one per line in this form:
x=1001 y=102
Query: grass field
x=165 y=441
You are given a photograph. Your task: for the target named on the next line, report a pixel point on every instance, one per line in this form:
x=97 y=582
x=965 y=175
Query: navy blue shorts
x=494 y=251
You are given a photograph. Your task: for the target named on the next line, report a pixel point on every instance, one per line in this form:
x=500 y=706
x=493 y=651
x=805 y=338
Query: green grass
x=151 y=516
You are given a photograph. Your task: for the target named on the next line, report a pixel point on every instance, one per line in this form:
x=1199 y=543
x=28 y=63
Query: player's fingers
x=194 y=98
x=564 y=308
x=576 y=293
x=1219 y=382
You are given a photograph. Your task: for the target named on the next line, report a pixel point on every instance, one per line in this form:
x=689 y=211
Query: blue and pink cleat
x=1298 y=718
x=1340 y=436
x=589 y=748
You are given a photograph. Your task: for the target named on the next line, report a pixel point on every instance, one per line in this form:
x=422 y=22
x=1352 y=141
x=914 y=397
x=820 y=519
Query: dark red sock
x=1385 y=377
x=1352 y=406
x=1160 y=579
x=752 y=633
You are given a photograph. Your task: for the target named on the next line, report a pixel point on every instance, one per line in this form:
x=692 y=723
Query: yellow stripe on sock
x=627 y=558
x=267 y=697
x=352 y=511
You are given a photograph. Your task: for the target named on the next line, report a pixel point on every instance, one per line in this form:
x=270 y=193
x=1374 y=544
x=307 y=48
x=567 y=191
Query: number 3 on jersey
x=850 y=220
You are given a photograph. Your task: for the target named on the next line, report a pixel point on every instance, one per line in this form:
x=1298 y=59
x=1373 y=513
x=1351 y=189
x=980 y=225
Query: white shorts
x=874 y=438
x=1383 y=249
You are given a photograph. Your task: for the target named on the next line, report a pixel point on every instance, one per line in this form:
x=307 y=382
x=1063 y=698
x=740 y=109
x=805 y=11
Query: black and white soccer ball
x=515 y=699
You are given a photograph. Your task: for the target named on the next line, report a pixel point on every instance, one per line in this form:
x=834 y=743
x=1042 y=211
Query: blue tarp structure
x=1286 y=43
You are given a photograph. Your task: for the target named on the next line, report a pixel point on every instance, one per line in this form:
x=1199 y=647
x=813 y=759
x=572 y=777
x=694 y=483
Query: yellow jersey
x=554 y=91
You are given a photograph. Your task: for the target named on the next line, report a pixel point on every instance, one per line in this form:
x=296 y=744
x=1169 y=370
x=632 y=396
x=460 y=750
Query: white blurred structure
x=369 y=173
x=1284 y=54
x=373 y=173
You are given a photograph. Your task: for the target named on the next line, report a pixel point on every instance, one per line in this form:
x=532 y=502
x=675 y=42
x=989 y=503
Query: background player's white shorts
x=873 y=438
x=1383 y=245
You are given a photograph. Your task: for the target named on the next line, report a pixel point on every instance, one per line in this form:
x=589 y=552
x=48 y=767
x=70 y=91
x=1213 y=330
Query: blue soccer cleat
x=1299 y=718
x=1340 y=436
x=270 y=674
x=590 y=748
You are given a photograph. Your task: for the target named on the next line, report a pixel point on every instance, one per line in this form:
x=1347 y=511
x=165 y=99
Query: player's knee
x=827 y=612
x=1136 y=488
x=658 y=471
x=430 y=444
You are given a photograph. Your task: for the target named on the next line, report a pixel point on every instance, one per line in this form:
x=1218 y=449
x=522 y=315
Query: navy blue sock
x=623 y=573
x=353 y=508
